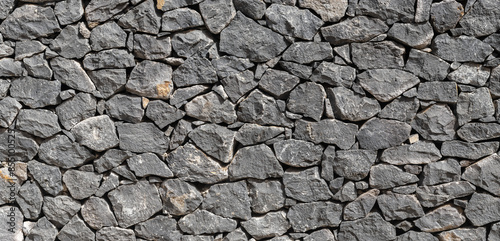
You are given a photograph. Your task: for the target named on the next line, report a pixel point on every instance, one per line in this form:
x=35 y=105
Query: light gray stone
x=107 y=36
x=383 y=176
x=29 y=21
x=357 y=29
x=204 y=222
x=256 y=162
x=378 y=55
x=305 y=185
x=180 y=19
x=270 y=225
x=142 y=137
x=459 y=48
x=179 y=197
x=309 y=216
x=372 y=227
x=387 y=84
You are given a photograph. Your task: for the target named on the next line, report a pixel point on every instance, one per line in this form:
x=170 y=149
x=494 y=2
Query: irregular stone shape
x=378 y=134
x=460 y=49
x=327 y=131
x=254 y=8
x=416 y=236
x=401 y=109
x=12 y=220
x=229 y=200
x=465 y=234
x=181 y=95
x=278 y=83
x=237 y=85
x=125 y=107
x=38 y=122
x=190 y=164
x=440 y=219
x=306 y=185
x=256 y=162
x=6 y=8
x=60 y=209
x=36 y=93
x=215 y=140
x=298 y=153
x=333 y=74
x=323 y=234
x=299 y=70
x=446 y=92
x=109 y=59
x=211 y=107
x=377 y=55
x=107 y=36
x=148 y=164
x=142 y=137
x=180 y=19
x=427 y=66
x=267 y=195
x=76 y=229
x=110 y=159
x=159 y=227
x=62 y=152
x=385 y=176
x=153 y=48
x=481 y=19
x=415 y=35
x=371 y=227
x=194 y=71
x=142 y=18
x=350 y=106
x=102 y=10
x=270 y=225
x=441 y=172
x=70 y=73
x=387 y=84
x=4 y=87
x=68 y=12
x=436 y=123
x=204 y=222
x=217 y=14
x=261 y=109
x=360 y=207
x=307 y=99
x=484 y=174
x=433 y=196
x=108 y=81
x=109 y=183
x=483 y=209
x=123 y=199
x=354 y=164
x=151 y=79
x=470 y=74
x=230 y=65
x=179 y=197
x=307 y=52
x=245 y=38
x=76 y=109
x=26 y=146
x=421 y=152
x=399 y=207
x=30 y=22
x=345 y=193
x=330 y=10
x=30 y=200
x=390 y=11
x=357 y=29
x=467 y=150
x=97 y=213
x=38 y=67
x=494 y=234
x=192 y=42
x=48 y=177
x=280 y=17
x=162 y=113
x=310 y=216
x=473 y=132
x=9 y=108
x=445 y=15
x=114 y=234
x=69 y=44
x=43 y=230
x=474 y=105
x=81 y=184
x=11 y=68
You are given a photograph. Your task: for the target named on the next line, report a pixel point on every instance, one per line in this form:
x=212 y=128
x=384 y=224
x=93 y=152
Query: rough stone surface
x=310 y=216
x=229 y=200
x=201 y=222
x=270 y=225
x=421 y=152
x=387 y=84
x=384 y=176
x=483 y=174
x=458 y=48
x=63 y=152
x=142 y=137
x=256 y=162
x=97 y=133
x=350 y=106
x=427 y=66
x=305 y=185
x=377 y=55
x=179 y=197
x=440 y=219
x=30 y=22
x=380 y=133
x=435 y=123
x=372 y=227
x=357 y=29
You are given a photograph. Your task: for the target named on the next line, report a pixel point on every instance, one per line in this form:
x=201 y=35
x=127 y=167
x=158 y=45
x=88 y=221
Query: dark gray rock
x=30 y=200
x=323 y=234
x=446 y=92
x=327 y=131
x=433 y=196
x=162 y=113
x=307 y=99
x=142 y=18
x=42 y=230
x=306 y=185
x=427 y=66
x=142 y=137
x=230 y=65
x=256 y=162
x=108 y=59
x=9 y=108
x=416 y=236
x=270 y=225
x=385 y=176
x=473 y=132
x=267 y=195
x=474 y=105
x=415 y=35
x=361 y=206
x=481 y=19
x=62 y=152
x=11 y=68
x=380 y=133
x=333 y=74
x=30 y=22
x=278 y=83
x=354 y=164
x=215 y=140
x=435 y=123
x=114 y=234
x=470 y=74
x=346 y=193
x=357 y=29
x=190 y=164
x=443 y=218
x=298 y=153
x=372 y=227
x=76 y=229
x=48 y=177
x=107 y=36
x=125 y=107
x=38 y=67
x=159 y=227
x=445 y=15
x=421 y=152
x=109 y=183
x=245 y=38
x=250 y=134
x=467 y=150
x=28 y=48
x=387 y=84
x=151 y=79
x=393 y=11
x=399 y=207
x=401 y=109
x=217 y=14
x=204 y=222
x=238 y=84
x=81 y=184
x=378 y=55
x=229 y=200
x=254 y=8
x=299 y=70
x=60 y=209
x=101 y=10
x=35 y=93
x=261 y=109
x=179 y=135
x=148 y=164
x=310 y=216
x=123 y=200
x=194 y=71
x=441 y=172
x=330 y=10
x=71 y=73
x=179 y=197
x=97 y=213
x=180 y=19
x=483 y=209
x=192 y=43
x=211 y=107
x=484 y=174
x=350 y=106
x=465 y=233
x=150 y=47
x=68 y=12
x=76 y=109
x=181 y=95
x=459 y=48
x=175 y=4
x=69 y=44
x=280 y=17
x=307 y=52
x=38 y=122
x=26 y=146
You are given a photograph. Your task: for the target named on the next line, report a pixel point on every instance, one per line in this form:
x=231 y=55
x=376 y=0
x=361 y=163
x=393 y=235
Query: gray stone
x=446 y=92
x=259 y=108
x=254 y=8
x=109 y=59
x=229 y=200
x=238 y=84
x=109 y=183
x=6 y=50
x=330 y=10
x=9 y=108
x=217 y=14
x=194 y=71
x=107 y=36
x=470 y=74
x=68 y=12
x=38 y=67
x=474 y=105
x=123 y=200
x=179 y=197
x=256 y=162
x=299 y=70
x=180 y=19
x=307 y=99
x=306 y=185
x=436 y=123
x=215 y=140
x=250 y=134
x=387 y=84
x=484 y=174
x=307 y=52
x=43 y=230
x=346 y=193
x=71 y=73
x=125 y=107
x=309 y=216
x=391 y=11
x=211 y=108
x=245 y=38
x=483 y=209
x=162 y=113
x=192 y=43
x=204 y=222
x=97 y=133
x=385 y=176
x=62 y=152
x=270 y=225
x=467 y=150
x=465 y=234
x=4 y=87
x=174 y=4
x=160 y=228
x=29 y=22
x=237 y=234
x=350 y=106
x=148 y=164
x=433 y=196
x=190 y=164
x=76 y=109
x=441 y=172
x=357 y=29
x=81 y=184
x=494 y=234
x=427 y=66
x=13 y=227
x=323 y=234
x=150 y=47
x=97 y=213
x=333 y=74
x=445 y=15
x=125 y=172
x=267 y=195
x=280 y=17
x=417 y=35
x=26 y=146
x=416 y=236
x=179 y=135
x=354 y=164
x=370 y=228
x=142 y=18
x=422 y=13
x=460 y=49
x=35 y=93
x=401 y=109
x=494 y=82
x=230 y=65
x=6 y=8
x=48 y=177
x=142 y=137
x=69 y=44
x=378 y=55
x=327 y=131
x=101 y=10
x=473 y=132
x=421 y=152
x=381 y=133
x=60 y=209
x=360 y=207
x=76 y=229
x=399 y=207
x=440 y=219
x=108 y=81
x=481 y=19
x=298 y=153
x=11 y=68
x=38 y=122
x=30 y=200
x=278 y=83
x=114 y=234
x=151 y=79
x=181 y=95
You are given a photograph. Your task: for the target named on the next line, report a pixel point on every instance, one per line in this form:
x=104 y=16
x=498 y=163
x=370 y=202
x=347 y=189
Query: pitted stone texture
x=357 y=29
x=279 y=17
x=313 y=215
x=256 y=162
x=229 y=200
x=436 y=123
x=179 y=197
x=97 y=133
x=378 y=55
x=30 y=22
x=378 y=134
x=484 y=174
x=306 y=185
x=372 y=227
